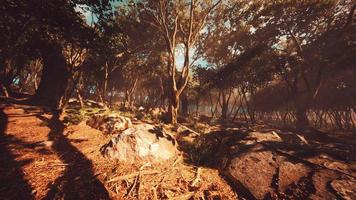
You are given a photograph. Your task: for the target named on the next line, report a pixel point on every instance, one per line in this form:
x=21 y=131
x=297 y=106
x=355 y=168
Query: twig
x=202 y=196
x=162 y=174
x=189 y=129
x=133 y=186
x=147 y=164
x=138 y=187
x=116 y=189
x=197 y=178
x=59 y=164
x=176 y=161
x=154 y=191
x=133 y=175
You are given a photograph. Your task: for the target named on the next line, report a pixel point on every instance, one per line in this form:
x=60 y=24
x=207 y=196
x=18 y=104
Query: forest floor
x=41 y=158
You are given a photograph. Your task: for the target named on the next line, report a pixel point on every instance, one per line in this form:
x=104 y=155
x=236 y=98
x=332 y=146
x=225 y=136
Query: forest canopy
x=291 y=62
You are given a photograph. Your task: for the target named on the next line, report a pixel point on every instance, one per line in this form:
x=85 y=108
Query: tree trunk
x=54 y=78
x=6 y=77
x=105 y=85
x=127 y=100
x=302 y=118
x=173 y=108
x=224 y=109
x=225 y=104
x=163 y=94
x=213 y=108
x=112 y=93
x=233 y=105
x=36 y=83
x=4 y=90
x=249 y=109
x=237 y=112
x=129 y=93
x=101 y=99
x=184 y=101
x=197 y=107
x=80 y=98
x=68 y=92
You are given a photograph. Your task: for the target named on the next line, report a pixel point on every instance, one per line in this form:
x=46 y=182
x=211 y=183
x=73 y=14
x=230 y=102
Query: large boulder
x=142 y=142
x=253 y=172
x=260 y=173
x=109 y=124
x=273 y=164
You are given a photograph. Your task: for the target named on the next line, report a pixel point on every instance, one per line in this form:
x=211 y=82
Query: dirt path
x=39 y=161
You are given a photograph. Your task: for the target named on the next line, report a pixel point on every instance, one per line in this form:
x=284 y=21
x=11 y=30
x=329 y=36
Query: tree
x=37 y=29
x=176 y=27
x=311 y=33
x=230 y=46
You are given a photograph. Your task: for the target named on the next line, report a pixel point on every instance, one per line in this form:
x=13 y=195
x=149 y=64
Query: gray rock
x=138 y=143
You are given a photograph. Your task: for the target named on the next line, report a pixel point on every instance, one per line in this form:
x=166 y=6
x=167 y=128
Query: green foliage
x=200 y=149
x=75 y=116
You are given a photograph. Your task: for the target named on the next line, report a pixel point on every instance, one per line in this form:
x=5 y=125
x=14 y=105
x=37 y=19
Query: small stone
x=47 y=143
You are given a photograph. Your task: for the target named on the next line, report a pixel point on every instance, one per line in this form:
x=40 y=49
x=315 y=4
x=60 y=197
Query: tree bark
x=197 y=106
x=224 y=109
x=302 y=118
x=163 y=93
x=127 y=99
x=129 y=92
x=184 y=102
x=54 y=78
x=225 y=104
x=170 y=37
x=105 y=85
x=80 y=98
x=7 y=75
x=100 y=95
x=173 y=108
x=4 y=90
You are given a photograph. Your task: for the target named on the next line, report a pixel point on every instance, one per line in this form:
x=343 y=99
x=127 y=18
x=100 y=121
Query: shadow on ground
x=78 y=180
x=12 y=182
